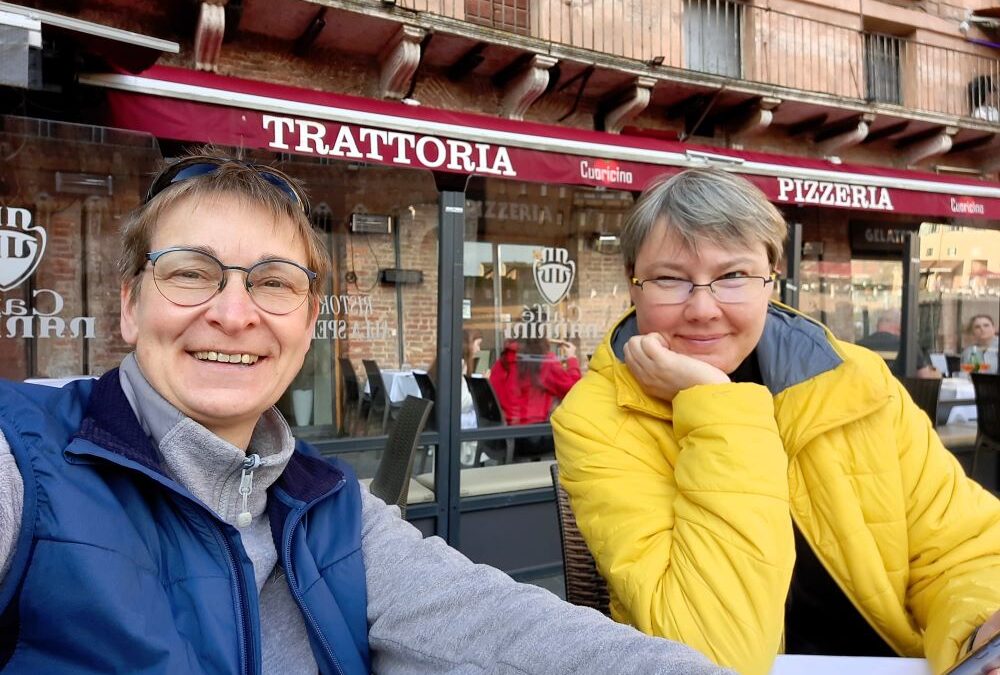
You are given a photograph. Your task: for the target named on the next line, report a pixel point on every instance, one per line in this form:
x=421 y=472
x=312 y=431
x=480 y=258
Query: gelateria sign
x=22 y=246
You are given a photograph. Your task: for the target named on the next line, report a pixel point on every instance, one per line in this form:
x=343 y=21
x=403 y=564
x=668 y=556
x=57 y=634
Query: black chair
x=954 y=362
x=353 y=405
x=392 y=476
x=481 y=361
x=584 y=584
x=428 y=391
x=987 y=416
x=489 y=414
x=925 y=393
x=378 y=409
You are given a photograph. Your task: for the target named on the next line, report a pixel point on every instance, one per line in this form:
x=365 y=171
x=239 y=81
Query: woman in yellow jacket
x=748 y=483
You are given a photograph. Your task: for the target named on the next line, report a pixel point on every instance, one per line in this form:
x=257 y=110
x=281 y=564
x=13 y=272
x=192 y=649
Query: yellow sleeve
x=954 y=539
x=688 y=521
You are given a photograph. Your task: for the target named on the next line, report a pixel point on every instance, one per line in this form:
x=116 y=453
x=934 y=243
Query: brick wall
x=81 y=245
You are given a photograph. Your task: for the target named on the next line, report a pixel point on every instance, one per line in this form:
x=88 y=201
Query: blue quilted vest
x=120 y=569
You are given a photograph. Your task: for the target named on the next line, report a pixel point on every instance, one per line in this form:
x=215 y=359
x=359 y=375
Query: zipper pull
x=246 y=487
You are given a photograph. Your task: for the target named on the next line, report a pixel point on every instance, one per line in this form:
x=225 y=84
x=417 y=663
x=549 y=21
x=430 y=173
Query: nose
x=701 y=305
x=232 y=309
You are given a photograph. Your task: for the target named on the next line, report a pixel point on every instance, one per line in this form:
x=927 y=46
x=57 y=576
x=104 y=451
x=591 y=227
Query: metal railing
x=754 y=44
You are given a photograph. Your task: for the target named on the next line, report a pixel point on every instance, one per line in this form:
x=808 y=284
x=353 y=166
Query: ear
x=129 y=321
x=313 y=313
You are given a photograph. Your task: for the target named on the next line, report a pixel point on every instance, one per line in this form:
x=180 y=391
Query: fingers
x=988 y=630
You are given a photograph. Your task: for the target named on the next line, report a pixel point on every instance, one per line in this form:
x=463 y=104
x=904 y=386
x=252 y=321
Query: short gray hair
x=705 y=205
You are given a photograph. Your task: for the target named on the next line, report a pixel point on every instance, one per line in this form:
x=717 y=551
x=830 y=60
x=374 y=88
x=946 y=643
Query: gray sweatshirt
x=430 y=609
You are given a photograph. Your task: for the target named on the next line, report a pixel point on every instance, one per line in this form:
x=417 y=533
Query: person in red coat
x=528 y=378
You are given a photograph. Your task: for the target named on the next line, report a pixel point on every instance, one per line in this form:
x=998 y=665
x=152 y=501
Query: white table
x=959 y=396
x=398 y=385
x=794 y=664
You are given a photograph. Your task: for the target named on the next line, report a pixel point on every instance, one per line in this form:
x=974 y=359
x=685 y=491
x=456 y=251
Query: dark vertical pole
x=793 y=266
x=449 y=393
x=911 y=277
x=397 y=263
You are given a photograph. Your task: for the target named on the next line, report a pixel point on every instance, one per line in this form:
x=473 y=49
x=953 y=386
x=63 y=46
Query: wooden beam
x=467 y=63
x=932 y=146
x=887 y=131
x=524 y=88
x=807 y=125
x=622 y=107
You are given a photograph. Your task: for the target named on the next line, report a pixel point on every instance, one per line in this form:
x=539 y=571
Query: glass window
x=63 y=194
x=64 y=189
x=882 y=68
x=377 y=328
x=965 y=282
x=713 y=36
x=544 y=281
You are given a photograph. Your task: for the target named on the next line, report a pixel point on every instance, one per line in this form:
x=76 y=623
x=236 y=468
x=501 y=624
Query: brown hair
x=236 y=178
x=968 y=327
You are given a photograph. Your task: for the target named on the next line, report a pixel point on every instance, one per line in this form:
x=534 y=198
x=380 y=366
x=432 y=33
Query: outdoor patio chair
x=392 y=476
x=379 y=408
x=987 y=415
x=954 y=362
x=584 y=584
x=925 y=393
x=427 y=390
x=489 y=414
x=481 y=361
x=354 y=407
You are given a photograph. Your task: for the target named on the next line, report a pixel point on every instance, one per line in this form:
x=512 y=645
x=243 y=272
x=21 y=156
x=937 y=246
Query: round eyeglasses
x=728 y=290
x=190 y=277
x=201 y=165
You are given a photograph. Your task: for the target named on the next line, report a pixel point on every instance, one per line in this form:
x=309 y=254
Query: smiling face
x=722 y=335
x=174 y=344
x=983 y=331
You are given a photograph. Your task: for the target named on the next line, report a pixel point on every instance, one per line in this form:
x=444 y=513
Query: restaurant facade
x=445 y=222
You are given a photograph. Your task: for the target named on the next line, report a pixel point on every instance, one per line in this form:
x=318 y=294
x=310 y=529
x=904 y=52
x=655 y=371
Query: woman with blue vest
x=163 y=519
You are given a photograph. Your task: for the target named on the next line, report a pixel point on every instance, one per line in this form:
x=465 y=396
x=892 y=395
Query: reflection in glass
x=541 y=289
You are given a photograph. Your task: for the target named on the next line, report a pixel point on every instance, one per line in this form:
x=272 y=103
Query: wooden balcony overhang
x=702 y=101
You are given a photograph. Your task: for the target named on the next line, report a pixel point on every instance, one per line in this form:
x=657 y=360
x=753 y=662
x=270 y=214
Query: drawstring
x=246 y=487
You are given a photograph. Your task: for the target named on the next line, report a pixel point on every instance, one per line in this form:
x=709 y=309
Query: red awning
x=940 y=266
x=194 y=106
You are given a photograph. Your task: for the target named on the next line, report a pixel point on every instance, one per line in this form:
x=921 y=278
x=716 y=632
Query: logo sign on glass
x=554 y=274
x=21 y=247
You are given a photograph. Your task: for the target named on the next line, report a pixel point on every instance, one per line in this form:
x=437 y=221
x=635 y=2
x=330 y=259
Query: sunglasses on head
x=192 y=167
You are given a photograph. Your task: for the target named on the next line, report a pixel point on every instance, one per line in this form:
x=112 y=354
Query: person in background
x=748 y=483
x=983 y=350
x=885 y=341
x=472 y=343
x=528 y=378
x=472 y=340
x=163 y=519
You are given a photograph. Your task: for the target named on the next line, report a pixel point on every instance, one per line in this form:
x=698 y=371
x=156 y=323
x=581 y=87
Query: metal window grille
x=882 y=68
x=713 y=33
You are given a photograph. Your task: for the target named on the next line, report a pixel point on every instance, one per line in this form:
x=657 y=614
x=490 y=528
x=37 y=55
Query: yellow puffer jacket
x=687 y=506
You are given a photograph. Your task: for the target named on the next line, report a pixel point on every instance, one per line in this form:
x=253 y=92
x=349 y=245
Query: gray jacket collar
x=791 y=350
x=209 y=467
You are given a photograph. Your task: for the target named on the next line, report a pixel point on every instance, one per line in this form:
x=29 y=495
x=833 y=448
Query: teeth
x=245 y=359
